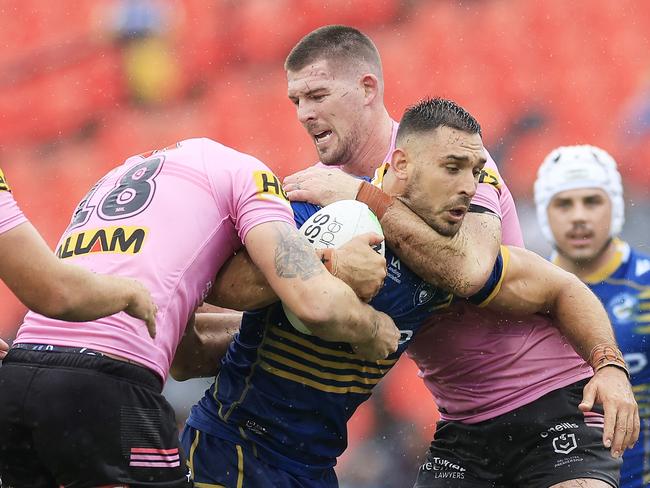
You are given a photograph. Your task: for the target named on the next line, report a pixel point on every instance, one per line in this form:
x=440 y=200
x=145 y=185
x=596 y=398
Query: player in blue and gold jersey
x=286 y=397
x=277 y=412
x=579 y=197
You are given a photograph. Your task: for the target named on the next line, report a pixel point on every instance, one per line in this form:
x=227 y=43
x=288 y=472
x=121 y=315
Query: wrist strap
x=329 y=260
x=606 y=354
x=378 y=201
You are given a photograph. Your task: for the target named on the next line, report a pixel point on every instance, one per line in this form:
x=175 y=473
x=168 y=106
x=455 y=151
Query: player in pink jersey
x=334 y=79
x=52 y=288
x=171 y=218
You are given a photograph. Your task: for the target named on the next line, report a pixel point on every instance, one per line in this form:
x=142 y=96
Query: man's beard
x=442 y=228
x=584 y=261
x=342 y=154
x=428 y=215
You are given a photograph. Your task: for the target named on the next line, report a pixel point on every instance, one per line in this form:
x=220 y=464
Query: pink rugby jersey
x=10 y=214
x=170 y=218
x=479 y=364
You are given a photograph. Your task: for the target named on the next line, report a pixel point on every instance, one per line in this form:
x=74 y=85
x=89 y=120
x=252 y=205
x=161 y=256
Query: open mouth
x=322 y=137
x=457 y=213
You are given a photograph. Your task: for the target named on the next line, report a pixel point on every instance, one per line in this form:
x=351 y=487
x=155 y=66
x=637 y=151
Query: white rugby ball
x=333 y=226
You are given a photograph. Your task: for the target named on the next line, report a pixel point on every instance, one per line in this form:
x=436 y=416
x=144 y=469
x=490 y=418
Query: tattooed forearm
x=294 y=257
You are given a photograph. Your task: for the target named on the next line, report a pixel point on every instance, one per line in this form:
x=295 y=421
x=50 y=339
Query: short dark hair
x=431 y=113
x=333 y=43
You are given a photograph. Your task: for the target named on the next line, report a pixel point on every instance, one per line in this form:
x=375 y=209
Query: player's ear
x=399 y=163
x=370 y=85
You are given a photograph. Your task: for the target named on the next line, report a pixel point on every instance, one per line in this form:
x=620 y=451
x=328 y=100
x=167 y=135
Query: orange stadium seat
x=267 y=42
x=204 y=40
x=361 y=13
x=249 y=110
x=62 y=101
x=32 y=27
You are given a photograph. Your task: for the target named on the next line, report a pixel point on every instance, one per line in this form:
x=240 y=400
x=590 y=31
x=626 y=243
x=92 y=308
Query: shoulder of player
x=639 y=267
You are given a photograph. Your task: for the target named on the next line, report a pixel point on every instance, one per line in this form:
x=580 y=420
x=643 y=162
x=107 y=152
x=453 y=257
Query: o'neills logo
x=121 y=240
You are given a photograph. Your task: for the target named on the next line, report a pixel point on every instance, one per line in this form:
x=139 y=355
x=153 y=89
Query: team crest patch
x=269 y=186
x=4 y=186
x=565 y=443
x=423 y=294
x=623 y=307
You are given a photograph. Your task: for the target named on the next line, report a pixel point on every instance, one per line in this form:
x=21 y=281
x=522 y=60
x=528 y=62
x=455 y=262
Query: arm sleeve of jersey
x=10 y=214
x=493 y=284
x=488 y=191
x=246 y=188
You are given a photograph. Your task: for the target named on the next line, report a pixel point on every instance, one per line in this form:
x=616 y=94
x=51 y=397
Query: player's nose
x=305 y=112
x=578 y=213
x=467 y=184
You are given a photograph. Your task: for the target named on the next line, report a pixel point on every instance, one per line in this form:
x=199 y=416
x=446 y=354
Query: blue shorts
x=218 y=463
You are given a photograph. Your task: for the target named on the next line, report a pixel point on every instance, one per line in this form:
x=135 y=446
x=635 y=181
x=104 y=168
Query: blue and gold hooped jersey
x=289 y=395
x=623 y=286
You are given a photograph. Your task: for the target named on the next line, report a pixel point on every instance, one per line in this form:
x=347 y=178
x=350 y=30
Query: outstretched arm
x=460 y=264
x=533 y=285
x=48 y=286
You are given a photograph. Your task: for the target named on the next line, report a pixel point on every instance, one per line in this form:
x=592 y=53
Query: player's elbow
x=316 y=308
x=468 y=282
x=314 y=313
x=180 y=371
x=189 y=366
x=56 y=301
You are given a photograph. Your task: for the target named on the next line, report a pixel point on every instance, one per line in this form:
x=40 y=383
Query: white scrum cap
x=576 y=167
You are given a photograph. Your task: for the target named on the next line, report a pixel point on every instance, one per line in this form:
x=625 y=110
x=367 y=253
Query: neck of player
x=375 y=150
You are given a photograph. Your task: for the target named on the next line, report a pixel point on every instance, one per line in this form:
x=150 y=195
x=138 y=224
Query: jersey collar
x=620 y=256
